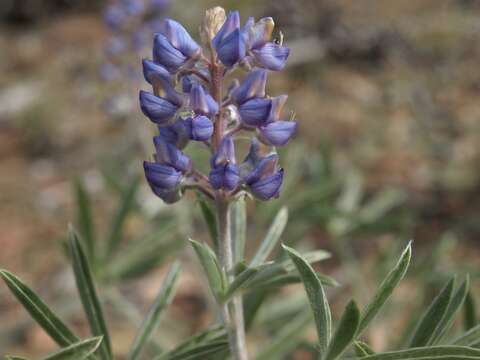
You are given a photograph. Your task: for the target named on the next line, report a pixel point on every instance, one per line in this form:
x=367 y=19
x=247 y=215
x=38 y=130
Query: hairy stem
x=232 y=312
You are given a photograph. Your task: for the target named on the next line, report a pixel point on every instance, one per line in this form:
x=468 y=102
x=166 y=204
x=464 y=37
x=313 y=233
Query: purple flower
x=168 y=154
x=277 y=133
x=202 y=102
x=155 y=73
x=265 y=179
x=156 y=108
x=177 y=134
x=162 y=176
x=225 y=173
x=254 y=112
x=253 y=86
x=201 y=128
x=173 y=47
x=229 y=42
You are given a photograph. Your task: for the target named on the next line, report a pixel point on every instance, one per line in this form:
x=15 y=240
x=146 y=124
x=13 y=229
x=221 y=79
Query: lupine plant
x=194 y=99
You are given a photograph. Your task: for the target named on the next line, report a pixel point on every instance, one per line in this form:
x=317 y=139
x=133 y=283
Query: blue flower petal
x=168 y=196
x=201 y=102
x=265 y=167
x=277 y=133
x=166 y=54
x=271 y=56
x=201 y=128
x=154 y=72
x=267 y=187
x=254 y=112
x=232 y=49
x=224 y=176
x=181 y=39
x=253 y=86
x=168 y=154
x=231 y=24
x=225 y=153
x=161 y=176
x=156 y=108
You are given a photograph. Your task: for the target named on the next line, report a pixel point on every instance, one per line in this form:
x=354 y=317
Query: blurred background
x=388 y=149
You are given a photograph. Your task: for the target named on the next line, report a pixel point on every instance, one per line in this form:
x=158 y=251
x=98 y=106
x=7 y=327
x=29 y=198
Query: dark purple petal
x=271 y=56
x=156 y=108
x=201 y=102
x=225 y=153
x=253 y=86
x=168 y=154
x=254 y=112
x=155 y=73
x=161 y=176
x=277 y=133
x=224 y=176
x=232 y=49
x=181 y=39
x=177 y=134
x=277 y=105
x=231 y=24
x=166 y=54
x=265 y=167
x=267 y=187
x=201 y=128
x=168 y=196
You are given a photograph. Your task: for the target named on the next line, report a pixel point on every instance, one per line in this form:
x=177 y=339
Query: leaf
x=470 y=313
x=200 y=352
x=316 y=296
x=432 y=317
x=427 y=353
x=287 y=338
x=239 y=220
x=386 y=289
x=88 y=295
x=37 y=309
x=453 y=307
x=362 y=349
x=84 y=218
x=470 y=338
x=127 y=203
x=272 y=237
x=12 y=357
x=345 y=333
x=208 y=260
x=240 y=282
x=78 y=351
x=163 y=299
x=211 y=222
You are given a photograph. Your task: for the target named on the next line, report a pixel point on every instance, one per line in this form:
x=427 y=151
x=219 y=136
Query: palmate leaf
x=208 y=260
x=386 y=289
x=78 y=351
x=272 y=237
x=88 y=294
x=40 y=312
x=345 y=333
x=84 y=218
x=455 y=305
x=161 y=302
x=317 y=298
x=429 y=353
x=240 y=281
x=433 y=317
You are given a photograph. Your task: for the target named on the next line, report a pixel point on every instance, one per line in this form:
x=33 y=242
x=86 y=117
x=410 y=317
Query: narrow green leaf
x=88 y=294
x=470 y=338
x=362 y=349
x=272 y=237
x=84 y=218
x=432 y=317
x=345 y=333
x=206 y=351
x=211 y=221
x=239 y=227
x=127 y=203
x=208 y=260
x=78 y=351
x=455 y=305
x=470 y=313
x=386 y=288
x=241 y=281
x=287 y=338
x=12 y=357
x=316 y=296
x=163 y=299
x=433 y=352
x=40 y=312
